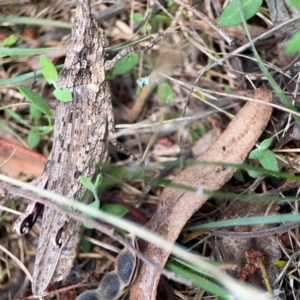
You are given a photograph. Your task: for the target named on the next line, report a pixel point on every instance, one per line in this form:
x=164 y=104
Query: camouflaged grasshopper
x=80 y=138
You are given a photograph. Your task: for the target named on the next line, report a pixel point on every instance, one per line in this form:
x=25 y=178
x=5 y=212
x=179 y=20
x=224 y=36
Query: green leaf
x=35 y=99
x=231 y=15
x=109 y=75
x=9 y=41
x=253 y=174
x=87 y=183
x=162 y=19
x=268 y=160
x=227 y=90
x=153 y=24
x=256 y=153
x=165 y=92
x=95 y=205
x=33 y=139
x=64 y=95
x=137 y=18
x=115 y=209
x=295 y=3
x=170 y=3
x=126 y=64
x=264 y=145
x=238 y=175
x=98 y=181
x=280 y=263
x=35 y=113
x=293 y=44
x=48 y=69
x=85 y=245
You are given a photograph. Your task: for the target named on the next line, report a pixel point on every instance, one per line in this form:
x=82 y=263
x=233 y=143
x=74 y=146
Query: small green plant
x=231 y=15
x=165 y=92
x=125 y=65
x=51 y=76
x=39 y=105
x=265 y=156
x=114 y=209
x=9 y=41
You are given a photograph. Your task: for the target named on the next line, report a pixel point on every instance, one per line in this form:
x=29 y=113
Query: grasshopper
x=79 y=148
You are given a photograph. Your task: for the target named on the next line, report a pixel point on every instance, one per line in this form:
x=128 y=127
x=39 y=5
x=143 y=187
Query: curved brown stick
x=177 y=206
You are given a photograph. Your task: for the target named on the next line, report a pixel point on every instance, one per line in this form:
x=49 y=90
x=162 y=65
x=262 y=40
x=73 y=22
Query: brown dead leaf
x=23 y=161
x=177 y=206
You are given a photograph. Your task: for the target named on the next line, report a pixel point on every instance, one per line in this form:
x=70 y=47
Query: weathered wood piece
x=177 y=206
